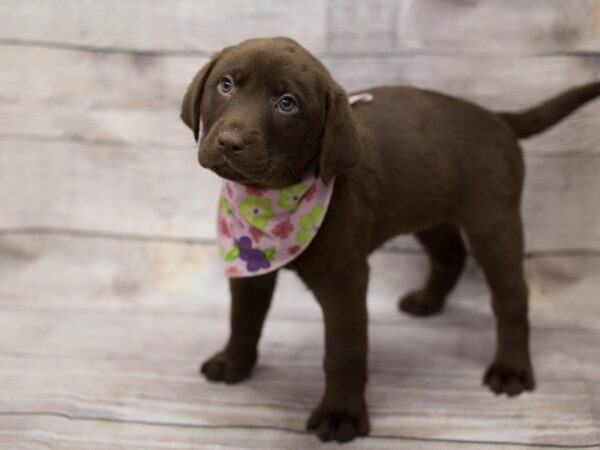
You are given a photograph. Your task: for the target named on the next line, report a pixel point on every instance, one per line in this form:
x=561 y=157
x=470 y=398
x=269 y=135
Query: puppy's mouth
x=259 y=174
x=224 y=170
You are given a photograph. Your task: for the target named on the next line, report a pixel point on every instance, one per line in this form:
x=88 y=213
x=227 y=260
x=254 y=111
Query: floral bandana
x=262 y=230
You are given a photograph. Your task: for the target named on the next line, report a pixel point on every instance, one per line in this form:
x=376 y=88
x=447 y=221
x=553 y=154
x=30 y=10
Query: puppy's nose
x=230 y=141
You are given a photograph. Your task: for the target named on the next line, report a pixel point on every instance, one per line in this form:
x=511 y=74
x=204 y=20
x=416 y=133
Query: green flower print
x=232 y=254
x=289 y=197
x=225 y=205
x=270 y=253
x=309 y=223
x=257 y=211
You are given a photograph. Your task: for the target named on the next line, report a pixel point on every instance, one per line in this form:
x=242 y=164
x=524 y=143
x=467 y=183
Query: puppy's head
x=268 y=111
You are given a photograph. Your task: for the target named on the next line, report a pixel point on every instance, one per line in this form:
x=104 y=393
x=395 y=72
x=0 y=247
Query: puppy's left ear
x=190 y=107
x=341 y=144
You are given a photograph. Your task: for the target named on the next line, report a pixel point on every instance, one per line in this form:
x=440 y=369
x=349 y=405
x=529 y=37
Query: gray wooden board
x=60 y=433
x=113 y=343
x=334 y=26
x=135 y=99
x=122 y=275
x=150 y=191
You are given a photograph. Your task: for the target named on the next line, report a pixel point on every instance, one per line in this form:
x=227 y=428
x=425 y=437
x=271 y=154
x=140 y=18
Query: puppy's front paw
x=223 y=367
x=509 y=379
x=419 y=303
x=339 y=425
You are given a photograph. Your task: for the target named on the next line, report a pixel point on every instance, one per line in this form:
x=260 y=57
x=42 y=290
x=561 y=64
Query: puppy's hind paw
x=420 y=304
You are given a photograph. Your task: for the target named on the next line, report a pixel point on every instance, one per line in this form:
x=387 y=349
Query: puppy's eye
x=225 y=85
x=287 y=104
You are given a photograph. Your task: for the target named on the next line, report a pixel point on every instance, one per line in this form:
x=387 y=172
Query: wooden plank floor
x=101 y=340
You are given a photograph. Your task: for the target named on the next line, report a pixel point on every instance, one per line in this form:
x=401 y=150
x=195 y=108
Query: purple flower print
x=255 y=259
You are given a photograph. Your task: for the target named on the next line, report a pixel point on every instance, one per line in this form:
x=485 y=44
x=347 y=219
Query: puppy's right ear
x=190 y=107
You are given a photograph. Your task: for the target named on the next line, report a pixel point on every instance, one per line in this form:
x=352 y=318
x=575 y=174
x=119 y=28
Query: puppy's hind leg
x=497 y=245
x=447 y=255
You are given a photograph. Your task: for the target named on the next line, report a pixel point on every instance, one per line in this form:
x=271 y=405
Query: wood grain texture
x=114 y=133
x=452 y=27
x=42 y=432
x=161 y=277
x=135 y=99
x=111 y=292
x=153 y=191
x=100 y=357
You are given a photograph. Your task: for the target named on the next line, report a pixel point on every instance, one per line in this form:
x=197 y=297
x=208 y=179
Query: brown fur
x=411 y=161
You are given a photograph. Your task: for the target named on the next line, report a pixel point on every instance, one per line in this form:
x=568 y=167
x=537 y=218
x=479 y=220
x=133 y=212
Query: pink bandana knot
x=261 y=230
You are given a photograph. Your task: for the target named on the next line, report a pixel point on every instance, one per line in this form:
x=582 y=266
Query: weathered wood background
x=110 y=291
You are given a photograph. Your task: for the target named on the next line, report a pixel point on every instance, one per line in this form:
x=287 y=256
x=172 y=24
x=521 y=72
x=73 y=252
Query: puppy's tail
x=535 y=120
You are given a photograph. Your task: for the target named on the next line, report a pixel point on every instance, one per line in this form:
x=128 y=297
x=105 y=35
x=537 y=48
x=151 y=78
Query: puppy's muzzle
x=222 y=148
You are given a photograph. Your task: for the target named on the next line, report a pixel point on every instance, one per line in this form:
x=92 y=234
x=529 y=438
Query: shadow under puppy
x=409 y=161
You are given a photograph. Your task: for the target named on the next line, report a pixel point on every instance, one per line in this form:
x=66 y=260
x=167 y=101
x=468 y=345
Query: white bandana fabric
x=261 y=230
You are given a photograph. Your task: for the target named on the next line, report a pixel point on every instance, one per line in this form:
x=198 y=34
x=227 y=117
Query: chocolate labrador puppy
x=409 y=161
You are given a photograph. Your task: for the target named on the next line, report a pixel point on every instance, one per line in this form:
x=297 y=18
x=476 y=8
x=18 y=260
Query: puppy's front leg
x=250 y=301
x=342 y=413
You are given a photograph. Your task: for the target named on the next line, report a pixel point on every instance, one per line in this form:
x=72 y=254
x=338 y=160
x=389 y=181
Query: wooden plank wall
x=107 y=230
x=91 y=90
